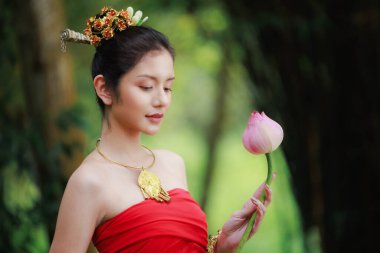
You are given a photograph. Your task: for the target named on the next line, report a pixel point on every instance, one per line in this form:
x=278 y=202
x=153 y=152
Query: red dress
x=149 y=226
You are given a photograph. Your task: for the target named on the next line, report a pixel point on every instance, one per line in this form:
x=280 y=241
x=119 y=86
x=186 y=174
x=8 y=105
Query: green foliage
x=22 y=229
x=19 y=192
x=28 y=198
x=198 y=40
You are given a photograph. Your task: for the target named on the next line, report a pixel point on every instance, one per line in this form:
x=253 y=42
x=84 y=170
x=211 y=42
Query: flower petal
x=136 y=18
x=262 y=134
x=130 y=12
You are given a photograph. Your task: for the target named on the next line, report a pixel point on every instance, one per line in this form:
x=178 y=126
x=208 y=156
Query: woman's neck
x=121 y=145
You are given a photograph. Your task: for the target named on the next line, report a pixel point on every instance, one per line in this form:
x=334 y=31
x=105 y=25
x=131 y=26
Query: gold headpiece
x=103 y=26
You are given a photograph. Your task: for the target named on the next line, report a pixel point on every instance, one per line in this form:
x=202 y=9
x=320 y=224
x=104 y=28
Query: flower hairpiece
x=108 y=21
x=103 y=26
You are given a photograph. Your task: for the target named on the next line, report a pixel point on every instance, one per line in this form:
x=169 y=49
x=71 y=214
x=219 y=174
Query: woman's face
x=144 y=94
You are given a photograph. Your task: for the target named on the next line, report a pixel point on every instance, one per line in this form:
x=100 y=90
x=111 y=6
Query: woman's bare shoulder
x=80 y=210
x=170 y=157
x=89 y=175
x=169 y=154
x=174 y=166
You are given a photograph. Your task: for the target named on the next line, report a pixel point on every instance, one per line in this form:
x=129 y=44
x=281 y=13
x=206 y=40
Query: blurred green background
x=231 y=58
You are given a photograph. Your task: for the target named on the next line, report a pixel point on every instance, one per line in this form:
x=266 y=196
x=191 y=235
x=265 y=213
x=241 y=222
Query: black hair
x=118 y=55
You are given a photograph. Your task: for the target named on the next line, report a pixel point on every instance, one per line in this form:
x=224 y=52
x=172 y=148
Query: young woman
x=124 y=196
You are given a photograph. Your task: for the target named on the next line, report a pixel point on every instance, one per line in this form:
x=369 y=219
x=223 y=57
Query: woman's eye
x=146 y=87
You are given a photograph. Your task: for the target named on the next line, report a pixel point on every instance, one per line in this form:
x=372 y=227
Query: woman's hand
x=234 y=228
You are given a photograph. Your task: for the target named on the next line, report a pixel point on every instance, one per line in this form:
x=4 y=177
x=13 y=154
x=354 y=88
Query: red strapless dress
x=149 y=226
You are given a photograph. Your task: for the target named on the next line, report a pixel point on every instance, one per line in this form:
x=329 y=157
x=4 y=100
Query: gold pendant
x=150 y=186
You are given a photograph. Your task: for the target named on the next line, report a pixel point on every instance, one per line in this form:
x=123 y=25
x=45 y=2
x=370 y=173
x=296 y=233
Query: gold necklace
x=148 y=182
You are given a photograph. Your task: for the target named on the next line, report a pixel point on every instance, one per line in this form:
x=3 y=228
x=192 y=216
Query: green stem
x=270 y=169
x=262 y=198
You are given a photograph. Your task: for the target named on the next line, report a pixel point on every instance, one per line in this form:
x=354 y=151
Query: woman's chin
x=151 y=131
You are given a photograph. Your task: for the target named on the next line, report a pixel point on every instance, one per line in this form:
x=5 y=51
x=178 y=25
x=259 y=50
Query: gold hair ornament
x=103 y=26
x=72 y=36
x=148 y=182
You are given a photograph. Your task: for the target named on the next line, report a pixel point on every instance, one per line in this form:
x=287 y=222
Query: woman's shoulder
x=170 y=157
x=83 y=196
x=174 y=166
x=88 y=176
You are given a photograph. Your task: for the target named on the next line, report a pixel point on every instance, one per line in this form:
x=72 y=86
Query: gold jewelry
x=212 y=240
x=148 y=182
x=103 y=26
x=72 y=36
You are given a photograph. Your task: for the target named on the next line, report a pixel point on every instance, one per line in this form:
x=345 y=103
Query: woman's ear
x=102 y=90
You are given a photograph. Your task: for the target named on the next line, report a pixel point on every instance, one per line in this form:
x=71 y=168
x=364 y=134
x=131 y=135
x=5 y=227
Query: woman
x=125 y=197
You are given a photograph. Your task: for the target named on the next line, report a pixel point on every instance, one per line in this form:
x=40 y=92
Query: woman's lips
x=155 y=118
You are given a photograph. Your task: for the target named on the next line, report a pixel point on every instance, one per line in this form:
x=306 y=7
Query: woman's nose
x=161 y=98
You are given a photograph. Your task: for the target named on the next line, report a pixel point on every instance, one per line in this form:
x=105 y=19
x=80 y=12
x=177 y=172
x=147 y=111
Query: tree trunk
x=49 y=94
x=216 y=127
x=316 y=65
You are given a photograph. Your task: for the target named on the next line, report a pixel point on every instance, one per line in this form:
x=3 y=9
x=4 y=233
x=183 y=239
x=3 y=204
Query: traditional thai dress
x=149 y=226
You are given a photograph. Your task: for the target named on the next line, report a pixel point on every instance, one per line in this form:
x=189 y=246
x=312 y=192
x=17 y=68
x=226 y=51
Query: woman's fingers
x=259 y=191
x=268 y=191
x=250 y=206
x=239 y=219
x=258 y=204
x=268 y=195
x=247 y=210
x=260 y=209
x=263 y=186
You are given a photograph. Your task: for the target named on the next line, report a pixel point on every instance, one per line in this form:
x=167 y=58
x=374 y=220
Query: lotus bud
x=262 y=134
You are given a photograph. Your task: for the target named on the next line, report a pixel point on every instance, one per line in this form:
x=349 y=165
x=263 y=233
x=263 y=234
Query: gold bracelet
x=212 y=240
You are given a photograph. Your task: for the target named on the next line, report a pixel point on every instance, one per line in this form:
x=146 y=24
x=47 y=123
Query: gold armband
x=212 y=240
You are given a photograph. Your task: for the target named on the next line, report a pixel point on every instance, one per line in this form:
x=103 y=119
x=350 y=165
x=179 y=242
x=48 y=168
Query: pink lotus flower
x=262 y=134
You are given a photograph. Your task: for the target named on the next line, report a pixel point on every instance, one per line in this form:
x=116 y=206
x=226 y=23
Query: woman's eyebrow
x=155 y=78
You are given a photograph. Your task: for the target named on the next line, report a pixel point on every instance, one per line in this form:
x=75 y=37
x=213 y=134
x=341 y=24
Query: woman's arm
x=78 y=214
